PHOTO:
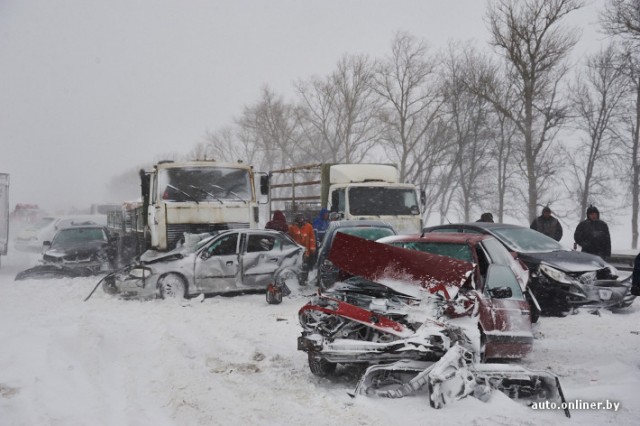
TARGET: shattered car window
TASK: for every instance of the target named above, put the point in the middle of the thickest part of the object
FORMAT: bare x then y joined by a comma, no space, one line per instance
258,243
367,232
457,251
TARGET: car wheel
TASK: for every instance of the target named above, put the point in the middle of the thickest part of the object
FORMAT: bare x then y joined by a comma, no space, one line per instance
274,295
172,286
320,366
109,285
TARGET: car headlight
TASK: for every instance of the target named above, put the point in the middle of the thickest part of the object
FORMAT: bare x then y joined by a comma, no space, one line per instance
140,272
556,274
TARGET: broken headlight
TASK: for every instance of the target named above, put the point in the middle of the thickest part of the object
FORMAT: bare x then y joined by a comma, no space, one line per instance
556,274
140,272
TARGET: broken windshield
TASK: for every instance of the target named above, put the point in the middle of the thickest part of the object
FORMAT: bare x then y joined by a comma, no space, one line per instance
213,184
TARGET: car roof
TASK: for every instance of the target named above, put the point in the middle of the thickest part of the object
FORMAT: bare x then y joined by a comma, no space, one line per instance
83,225
438,237
356,223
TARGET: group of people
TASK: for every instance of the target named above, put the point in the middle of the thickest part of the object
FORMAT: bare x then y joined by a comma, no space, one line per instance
308,235
592,234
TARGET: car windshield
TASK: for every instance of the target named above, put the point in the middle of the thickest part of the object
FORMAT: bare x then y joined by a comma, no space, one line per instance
371,233
526,240
378,201
457,251
72,236
215,184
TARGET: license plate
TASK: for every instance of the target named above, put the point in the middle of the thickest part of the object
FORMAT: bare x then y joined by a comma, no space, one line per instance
605,294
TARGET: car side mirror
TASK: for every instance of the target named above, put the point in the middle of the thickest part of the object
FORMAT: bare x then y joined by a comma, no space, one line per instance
46,244
501,292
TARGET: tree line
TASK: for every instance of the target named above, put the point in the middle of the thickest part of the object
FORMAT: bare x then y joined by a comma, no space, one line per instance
508,128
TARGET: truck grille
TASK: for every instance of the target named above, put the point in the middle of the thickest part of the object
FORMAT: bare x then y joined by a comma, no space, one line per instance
175,232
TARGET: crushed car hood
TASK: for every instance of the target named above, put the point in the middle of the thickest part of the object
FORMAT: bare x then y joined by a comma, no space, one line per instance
384,263
569,261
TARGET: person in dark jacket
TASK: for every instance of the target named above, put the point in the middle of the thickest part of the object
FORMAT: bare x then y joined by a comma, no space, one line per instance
635,278
547,224
486,217
279,222
592,234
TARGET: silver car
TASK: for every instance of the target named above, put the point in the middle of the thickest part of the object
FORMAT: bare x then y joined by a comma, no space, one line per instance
230,262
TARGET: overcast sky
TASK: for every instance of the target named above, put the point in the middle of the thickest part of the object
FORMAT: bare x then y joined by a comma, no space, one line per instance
92,88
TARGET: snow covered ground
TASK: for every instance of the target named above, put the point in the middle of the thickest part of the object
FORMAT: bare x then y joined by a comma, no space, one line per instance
222,361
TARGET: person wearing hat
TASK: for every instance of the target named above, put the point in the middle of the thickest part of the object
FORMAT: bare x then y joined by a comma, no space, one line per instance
592,234
547,224
302,232
486,217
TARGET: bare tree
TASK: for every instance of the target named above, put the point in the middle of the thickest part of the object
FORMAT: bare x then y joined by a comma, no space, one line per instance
468,115
597,97
407,84
272,129
338,112
529,35
621,18
225,145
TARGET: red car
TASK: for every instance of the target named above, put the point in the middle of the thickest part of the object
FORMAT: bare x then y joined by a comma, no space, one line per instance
383,313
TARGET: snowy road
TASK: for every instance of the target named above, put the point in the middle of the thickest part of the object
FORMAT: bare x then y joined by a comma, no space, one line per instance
234,360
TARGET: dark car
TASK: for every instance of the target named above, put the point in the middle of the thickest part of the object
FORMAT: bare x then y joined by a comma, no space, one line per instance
368,229
560,278
229,262
87,248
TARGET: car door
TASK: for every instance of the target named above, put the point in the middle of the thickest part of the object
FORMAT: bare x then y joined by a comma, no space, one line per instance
260,259
504,314
216,267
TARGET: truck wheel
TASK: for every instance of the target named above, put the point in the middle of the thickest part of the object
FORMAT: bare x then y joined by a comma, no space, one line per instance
320,366
172,286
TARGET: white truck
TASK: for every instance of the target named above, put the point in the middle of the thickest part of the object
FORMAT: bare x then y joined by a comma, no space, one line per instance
187,197
356,191
4,213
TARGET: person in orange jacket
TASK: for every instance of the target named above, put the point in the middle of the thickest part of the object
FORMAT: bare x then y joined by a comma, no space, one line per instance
302,232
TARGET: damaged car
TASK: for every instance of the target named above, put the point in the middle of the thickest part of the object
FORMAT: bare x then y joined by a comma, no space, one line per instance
78,250
561,279
228,262
424,321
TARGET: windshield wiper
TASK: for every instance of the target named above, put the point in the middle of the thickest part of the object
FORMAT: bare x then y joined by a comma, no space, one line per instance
206,192
228,191
183,193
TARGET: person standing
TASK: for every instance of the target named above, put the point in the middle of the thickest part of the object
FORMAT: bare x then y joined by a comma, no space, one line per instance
302,232
486,217
279,222
635,278
320,224
547,224
592,234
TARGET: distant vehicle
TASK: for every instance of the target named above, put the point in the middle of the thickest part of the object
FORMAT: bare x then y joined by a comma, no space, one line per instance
327,272
29,239
47,232
355,191
560,278
4,213
229,262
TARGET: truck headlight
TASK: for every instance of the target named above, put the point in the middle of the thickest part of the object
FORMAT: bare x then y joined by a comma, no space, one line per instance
556,274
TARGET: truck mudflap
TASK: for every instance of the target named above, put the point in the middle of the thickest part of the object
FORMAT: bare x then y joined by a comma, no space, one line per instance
455,376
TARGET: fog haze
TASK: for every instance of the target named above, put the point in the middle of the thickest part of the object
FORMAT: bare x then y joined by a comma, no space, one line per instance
91,90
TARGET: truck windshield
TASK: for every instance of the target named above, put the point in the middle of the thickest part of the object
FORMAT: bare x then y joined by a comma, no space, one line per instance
215,184
379,201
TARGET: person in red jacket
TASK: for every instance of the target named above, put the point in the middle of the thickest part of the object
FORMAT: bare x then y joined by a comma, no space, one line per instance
302,232
279,222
